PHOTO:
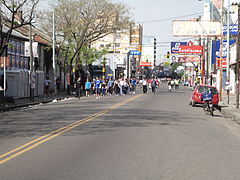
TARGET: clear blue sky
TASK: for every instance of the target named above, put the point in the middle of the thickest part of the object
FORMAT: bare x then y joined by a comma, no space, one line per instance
147,10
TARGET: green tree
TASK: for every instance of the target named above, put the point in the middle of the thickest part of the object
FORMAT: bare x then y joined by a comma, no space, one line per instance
14,14
81,22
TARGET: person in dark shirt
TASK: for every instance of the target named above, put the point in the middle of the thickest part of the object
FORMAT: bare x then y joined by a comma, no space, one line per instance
79,87
2,82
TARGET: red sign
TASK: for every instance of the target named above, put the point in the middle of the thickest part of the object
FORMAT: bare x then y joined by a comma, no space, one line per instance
224,63
188,59
190,49
145,64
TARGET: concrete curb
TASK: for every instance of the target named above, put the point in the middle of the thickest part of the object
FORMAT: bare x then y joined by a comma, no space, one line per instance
228,114
13,107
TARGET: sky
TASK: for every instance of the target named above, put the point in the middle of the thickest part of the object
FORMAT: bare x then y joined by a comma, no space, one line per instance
144,11
147,10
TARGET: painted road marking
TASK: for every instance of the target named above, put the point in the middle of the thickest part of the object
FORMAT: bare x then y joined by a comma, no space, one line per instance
36,142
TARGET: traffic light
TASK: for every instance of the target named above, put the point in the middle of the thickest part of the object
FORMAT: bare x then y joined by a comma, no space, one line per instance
196,68
168,55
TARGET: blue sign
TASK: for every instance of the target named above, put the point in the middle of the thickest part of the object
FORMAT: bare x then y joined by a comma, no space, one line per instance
216,49
175,47
135,52
233,29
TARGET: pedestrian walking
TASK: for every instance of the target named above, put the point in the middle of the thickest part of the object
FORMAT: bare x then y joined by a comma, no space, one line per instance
104,88
58,83
110,86
176,82
149,83
2,82
172,83
144,83
125,87
116,87
169,86
78,87
46,85
133,85
97,86
121,86
93,88
153,85
88,87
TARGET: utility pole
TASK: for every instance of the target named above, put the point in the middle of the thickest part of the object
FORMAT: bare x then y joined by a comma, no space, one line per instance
221,57
31,75
228,41
220,68
103,68
155,52
203,63
128,64
207,64
238,61
53,49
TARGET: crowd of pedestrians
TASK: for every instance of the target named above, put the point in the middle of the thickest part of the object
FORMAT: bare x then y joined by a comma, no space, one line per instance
173,83
119,87
99,87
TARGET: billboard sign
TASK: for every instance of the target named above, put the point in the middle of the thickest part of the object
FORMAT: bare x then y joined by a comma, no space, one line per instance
196,28
145,64
216,52
187,59
190,49
175,47
135,52
34,48
233,29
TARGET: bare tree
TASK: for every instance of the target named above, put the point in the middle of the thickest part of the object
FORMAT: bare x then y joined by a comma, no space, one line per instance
14,14
82,22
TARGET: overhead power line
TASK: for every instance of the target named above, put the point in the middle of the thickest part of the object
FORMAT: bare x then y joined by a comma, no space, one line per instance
177,17
171,18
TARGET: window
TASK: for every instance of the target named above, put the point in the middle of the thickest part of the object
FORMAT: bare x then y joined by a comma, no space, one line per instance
202,89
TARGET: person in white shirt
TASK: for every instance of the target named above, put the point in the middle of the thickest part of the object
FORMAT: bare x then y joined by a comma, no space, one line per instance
144,83
121,86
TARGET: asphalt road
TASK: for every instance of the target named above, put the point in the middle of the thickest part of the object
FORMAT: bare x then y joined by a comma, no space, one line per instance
134,137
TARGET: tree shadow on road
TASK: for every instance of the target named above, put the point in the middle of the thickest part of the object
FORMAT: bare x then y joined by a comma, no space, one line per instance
137,118
29,123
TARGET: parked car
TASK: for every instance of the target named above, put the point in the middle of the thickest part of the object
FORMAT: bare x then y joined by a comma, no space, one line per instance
196,97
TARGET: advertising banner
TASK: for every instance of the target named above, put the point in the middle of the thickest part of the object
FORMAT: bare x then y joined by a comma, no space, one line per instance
233,29
190,49
187,59
175,47
27,49
135,52
145,64
197,28
216,52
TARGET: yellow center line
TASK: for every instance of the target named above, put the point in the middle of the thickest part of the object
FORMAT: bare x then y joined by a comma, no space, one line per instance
32,144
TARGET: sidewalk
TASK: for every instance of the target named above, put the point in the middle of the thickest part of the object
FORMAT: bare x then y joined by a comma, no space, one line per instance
19,103
229,110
